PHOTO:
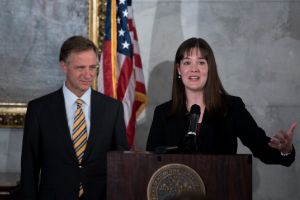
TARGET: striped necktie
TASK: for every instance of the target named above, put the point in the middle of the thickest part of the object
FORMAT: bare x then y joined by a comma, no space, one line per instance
79,135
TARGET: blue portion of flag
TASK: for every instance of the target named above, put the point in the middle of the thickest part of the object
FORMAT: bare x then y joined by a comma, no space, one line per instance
123,36
107,34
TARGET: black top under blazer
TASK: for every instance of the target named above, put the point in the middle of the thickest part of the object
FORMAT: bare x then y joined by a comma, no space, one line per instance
217,135
49,167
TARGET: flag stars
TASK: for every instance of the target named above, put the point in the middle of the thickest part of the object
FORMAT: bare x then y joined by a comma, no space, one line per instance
125,13
118,20
122,2
125,45
121,32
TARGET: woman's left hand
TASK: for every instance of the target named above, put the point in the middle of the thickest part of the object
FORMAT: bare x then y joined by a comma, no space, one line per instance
283,140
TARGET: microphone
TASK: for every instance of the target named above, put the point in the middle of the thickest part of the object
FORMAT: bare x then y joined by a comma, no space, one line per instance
194,117
166,149
189,143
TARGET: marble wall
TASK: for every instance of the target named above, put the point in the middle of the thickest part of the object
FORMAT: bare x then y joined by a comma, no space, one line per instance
257,48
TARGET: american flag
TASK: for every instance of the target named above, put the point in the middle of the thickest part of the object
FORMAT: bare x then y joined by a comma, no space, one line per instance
121,74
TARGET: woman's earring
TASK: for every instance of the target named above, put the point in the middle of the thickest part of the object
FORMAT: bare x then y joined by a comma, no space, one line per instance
179,75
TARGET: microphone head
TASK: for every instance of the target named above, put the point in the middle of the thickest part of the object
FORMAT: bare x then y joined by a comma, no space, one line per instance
195,109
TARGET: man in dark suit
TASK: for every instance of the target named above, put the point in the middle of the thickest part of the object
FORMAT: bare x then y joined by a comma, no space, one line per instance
67,133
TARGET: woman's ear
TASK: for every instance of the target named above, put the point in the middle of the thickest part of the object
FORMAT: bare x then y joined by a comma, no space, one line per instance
178,69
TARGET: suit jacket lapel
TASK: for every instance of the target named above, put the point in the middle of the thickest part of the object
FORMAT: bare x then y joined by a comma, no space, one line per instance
59,110
96,110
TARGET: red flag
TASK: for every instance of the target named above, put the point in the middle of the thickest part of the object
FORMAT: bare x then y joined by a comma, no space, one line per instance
121,74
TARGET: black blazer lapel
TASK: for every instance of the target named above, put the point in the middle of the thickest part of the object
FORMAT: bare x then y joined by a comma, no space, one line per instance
96,110
59,110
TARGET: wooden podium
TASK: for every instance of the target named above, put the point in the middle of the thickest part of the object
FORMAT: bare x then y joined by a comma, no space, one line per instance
226,177
9,185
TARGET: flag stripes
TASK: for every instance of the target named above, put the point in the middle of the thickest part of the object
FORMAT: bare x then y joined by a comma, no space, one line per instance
121,74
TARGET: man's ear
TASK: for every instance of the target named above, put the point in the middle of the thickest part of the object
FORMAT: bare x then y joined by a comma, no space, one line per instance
63,66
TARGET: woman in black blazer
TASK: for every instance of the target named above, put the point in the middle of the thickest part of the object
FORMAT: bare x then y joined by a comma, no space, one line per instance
223,118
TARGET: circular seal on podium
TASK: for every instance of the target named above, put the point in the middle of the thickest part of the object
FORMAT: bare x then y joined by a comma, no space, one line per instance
174,179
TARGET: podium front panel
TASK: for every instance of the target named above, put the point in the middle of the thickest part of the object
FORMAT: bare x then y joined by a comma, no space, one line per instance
224,176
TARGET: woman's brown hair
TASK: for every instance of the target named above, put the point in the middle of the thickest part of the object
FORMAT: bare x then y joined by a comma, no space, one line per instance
213,89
